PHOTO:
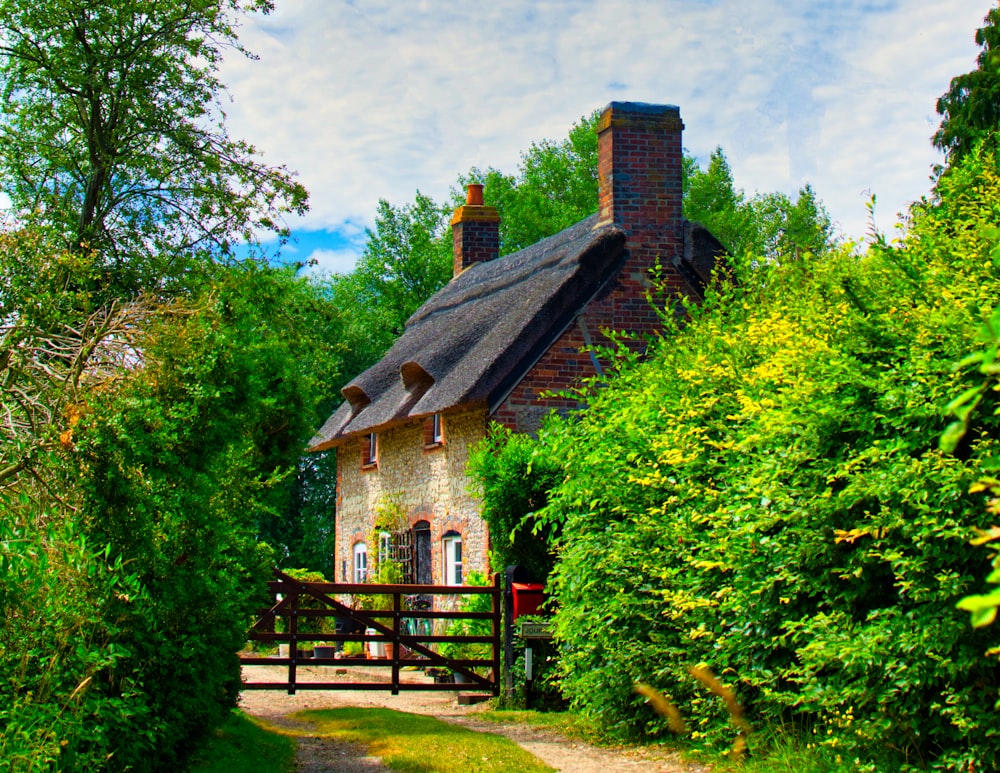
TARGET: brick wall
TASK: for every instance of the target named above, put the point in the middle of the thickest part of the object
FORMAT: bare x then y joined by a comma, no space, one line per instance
429,485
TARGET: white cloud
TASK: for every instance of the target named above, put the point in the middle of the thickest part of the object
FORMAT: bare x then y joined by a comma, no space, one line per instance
323,262
374,100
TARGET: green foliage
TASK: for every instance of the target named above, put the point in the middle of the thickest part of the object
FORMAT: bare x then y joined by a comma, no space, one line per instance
765,227
176,468
970,109
479,602
554,187
144,446
406,259
967,409
512,477
111,126
303,532
766,497
63,700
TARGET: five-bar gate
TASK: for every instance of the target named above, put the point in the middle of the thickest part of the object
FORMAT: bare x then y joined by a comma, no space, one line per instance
409,629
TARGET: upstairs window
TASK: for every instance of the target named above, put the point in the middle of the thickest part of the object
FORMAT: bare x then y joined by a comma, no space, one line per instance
369,450
433,431
452,545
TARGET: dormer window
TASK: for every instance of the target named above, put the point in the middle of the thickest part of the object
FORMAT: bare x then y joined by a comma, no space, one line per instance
369,451
433,431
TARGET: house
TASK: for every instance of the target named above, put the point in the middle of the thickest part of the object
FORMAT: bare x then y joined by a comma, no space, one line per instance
491,344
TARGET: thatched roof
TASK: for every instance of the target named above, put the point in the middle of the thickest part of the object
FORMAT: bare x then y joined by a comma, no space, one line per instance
478,336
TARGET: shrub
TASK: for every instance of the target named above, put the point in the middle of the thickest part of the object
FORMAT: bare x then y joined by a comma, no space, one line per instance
766,497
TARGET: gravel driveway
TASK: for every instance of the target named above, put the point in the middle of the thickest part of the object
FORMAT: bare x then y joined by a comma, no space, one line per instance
323,755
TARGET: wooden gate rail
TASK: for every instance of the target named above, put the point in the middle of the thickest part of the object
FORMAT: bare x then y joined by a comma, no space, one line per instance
408,648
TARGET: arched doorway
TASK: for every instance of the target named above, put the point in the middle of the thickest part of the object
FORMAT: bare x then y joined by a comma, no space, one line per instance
422,553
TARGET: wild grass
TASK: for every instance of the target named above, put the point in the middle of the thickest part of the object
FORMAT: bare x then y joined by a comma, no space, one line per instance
413,743
242,746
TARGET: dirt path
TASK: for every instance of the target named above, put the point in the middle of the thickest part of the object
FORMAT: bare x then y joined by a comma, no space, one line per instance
324,755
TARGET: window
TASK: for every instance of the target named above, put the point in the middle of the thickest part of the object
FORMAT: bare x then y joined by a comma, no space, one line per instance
433,431
384,547
369,450
452,544
360,562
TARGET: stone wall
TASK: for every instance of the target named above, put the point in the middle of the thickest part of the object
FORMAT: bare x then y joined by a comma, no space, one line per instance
428,483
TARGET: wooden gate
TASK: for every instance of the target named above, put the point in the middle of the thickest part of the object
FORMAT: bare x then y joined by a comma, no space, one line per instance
409,629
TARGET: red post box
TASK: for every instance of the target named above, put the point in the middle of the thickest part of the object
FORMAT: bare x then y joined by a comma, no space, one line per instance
528,598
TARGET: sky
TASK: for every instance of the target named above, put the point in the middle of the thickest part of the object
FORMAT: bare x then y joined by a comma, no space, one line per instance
376,99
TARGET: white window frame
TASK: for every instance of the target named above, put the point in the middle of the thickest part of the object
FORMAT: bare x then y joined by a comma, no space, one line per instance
384,547
360,562
451,554
437,433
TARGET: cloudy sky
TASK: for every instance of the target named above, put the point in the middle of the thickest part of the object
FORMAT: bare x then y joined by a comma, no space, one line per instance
371,99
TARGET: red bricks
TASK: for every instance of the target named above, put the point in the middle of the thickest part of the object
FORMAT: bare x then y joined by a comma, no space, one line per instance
639,180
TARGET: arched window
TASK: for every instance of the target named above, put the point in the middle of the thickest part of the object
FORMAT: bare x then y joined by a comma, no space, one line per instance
452,546
360,562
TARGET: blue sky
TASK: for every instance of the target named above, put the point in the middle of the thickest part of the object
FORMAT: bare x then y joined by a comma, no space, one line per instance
371,99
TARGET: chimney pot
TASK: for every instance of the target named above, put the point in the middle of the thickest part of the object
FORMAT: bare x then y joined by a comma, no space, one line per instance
475,229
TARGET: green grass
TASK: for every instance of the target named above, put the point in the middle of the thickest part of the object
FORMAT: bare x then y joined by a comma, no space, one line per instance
570,725
242,746
413,743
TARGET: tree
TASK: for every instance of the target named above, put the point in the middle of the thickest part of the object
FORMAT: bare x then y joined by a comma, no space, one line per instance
112,129
970,109
767,226
554,187
406,259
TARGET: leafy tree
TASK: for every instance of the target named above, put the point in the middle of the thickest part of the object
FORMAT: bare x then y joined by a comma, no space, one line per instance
156,396
406,259
554,187
179,465
112,128
302,532
970,109
767,226
514,479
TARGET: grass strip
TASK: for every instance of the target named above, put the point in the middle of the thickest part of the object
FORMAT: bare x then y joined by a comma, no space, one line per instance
414,743
243,746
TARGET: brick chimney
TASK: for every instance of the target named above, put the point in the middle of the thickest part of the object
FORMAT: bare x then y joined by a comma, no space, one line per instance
476,231
639,180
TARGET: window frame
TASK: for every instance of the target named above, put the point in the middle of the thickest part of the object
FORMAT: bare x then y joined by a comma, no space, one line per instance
451,559
433,431
359,550
369,451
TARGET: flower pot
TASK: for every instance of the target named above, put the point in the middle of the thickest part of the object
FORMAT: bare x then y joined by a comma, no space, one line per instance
376,649
324,651
284,650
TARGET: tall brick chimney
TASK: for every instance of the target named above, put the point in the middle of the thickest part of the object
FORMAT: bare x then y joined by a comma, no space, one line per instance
639,180
476,231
